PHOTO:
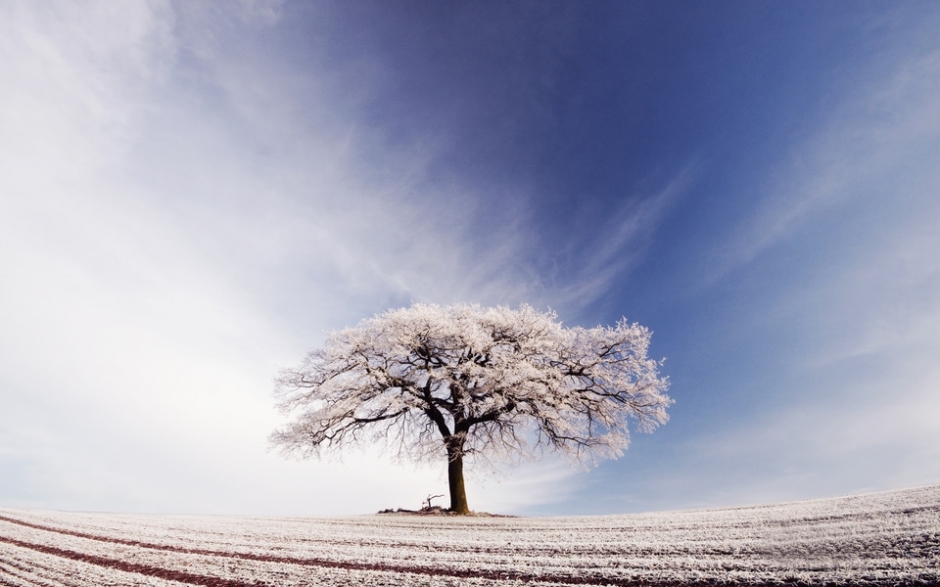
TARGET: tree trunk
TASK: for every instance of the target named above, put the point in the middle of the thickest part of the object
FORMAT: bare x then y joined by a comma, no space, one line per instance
458,493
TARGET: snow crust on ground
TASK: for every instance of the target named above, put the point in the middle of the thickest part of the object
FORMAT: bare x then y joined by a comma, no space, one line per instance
879,539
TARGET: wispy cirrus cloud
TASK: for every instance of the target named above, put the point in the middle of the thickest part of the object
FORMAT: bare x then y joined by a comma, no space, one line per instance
184,214
604,249
843,243
862,152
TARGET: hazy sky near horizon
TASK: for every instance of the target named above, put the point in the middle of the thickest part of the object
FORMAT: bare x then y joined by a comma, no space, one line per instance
192,195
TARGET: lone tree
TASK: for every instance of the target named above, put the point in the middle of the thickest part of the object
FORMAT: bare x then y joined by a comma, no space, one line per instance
463,380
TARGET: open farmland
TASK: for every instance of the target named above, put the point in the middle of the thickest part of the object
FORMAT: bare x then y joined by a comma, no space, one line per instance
879,539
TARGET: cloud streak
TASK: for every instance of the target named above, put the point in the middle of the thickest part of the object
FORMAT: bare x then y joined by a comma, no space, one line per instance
184,219
843,242
195,194
860,155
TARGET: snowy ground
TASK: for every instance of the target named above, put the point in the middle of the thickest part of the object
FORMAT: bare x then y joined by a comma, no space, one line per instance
884,539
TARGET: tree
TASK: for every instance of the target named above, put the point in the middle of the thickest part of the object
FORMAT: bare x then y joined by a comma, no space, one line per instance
432,381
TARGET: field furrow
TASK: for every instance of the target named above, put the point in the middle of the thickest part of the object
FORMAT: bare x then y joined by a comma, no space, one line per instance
879,539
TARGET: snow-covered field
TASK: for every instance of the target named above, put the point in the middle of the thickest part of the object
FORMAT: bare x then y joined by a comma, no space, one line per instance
885,539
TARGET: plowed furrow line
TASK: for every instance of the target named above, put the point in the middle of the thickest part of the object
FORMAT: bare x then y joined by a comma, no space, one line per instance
4,583
148,570
597,578
7,575
208,581
33,568
34,575
323,563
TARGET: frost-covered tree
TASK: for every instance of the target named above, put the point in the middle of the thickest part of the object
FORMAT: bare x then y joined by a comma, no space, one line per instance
431,381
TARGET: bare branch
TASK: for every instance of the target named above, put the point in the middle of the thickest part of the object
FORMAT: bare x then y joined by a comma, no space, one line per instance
430,381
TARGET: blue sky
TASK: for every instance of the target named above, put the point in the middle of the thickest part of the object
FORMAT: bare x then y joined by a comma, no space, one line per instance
193,195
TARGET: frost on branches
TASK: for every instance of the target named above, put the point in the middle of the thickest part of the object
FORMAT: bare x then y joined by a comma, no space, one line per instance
431,381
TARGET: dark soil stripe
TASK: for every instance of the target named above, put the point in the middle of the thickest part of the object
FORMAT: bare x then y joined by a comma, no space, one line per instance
379,567
120,565
326,563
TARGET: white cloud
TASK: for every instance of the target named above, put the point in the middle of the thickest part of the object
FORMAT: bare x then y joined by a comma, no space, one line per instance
886,129
179,222
614,245
838,273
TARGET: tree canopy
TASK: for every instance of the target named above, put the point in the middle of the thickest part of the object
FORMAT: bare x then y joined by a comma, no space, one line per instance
450,381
